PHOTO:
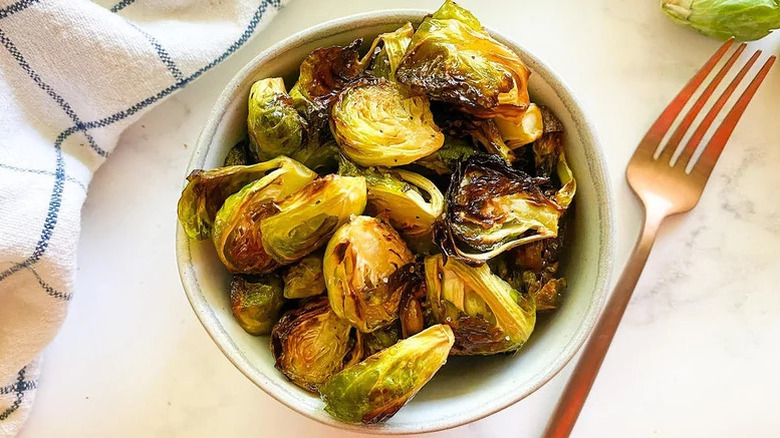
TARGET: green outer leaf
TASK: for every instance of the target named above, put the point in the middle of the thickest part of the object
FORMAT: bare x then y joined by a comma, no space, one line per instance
376,388
256,302
746,20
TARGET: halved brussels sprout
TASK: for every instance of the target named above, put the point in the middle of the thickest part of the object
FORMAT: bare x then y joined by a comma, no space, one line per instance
275,127
491,208
377,122
445,160
409,201
364,272
256,302
452,58
238,155
304,279
207,190
375,389
311,344
486,314
321,158
527,131
393,47
380,339
306,219
549,157
237,230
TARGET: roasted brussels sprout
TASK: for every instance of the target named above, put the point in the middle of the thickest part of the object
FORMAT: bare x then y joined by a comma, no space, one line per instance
527,131
305,220
256,302
393,47
326,71
237,230
207,190
414,312
482,132
380,339
238,155
452,58
377,122
321,158
364,272
275,127
376,388
486,314
304,279
409,201
549,158
491,208
445,160
311,344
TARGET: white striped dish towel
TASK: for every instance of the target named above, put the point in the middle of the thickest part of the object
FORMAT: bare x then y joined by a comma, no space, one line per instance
73,75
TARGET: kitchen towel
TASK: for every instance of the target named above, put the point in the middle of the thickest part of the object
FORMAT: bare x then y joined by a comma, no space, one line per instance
73,75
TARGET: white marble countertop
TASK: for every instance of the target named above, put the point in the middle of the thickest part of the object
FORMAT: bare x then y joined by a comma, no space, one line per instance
696,354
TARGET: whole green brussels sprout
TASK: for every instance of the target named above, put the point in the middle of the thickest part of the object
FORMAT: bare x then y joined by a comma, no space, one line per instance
377,122
305,220
486,314
746,20
275,127
376,388
256,302
311,344
237,226
364,272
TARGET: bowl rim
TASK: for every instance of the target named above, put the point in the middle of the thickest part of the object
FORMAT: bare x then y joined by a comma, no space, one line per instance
596,167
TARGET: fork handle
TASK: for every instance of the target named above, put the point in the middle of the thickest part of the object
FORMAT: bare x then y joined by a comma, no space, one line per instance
573,398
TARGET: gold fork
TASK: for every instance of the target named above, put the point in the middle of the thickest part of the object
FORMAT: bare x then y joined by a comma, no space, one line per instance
666,187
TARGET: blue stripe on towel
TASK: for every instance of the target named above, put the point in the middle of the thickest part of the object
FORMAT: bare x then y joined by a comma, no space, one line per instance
16,7
44,172
19,395
121,5
56,198
9,45
50,290
163,54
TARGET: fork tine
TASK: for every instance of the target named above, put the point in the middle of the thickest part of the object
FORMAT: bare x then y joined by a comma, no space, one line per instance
656,132
706,122
685,124
703,167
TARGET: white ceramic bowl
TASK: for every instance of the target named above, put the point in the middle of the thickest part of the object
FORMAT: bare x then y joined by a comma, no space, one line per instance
466,388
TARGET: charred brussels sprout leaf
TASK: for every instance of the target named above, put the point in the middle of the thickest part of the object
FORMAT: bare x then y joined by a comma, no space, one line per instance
410,202
304,279
364,266
256,302
237,231
414,313
378,340
326,71
375,389
393,47
483,132
491,208
452,58
306,219
445,160
207,190
275,127
381,123
527,131
311,344
486,314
